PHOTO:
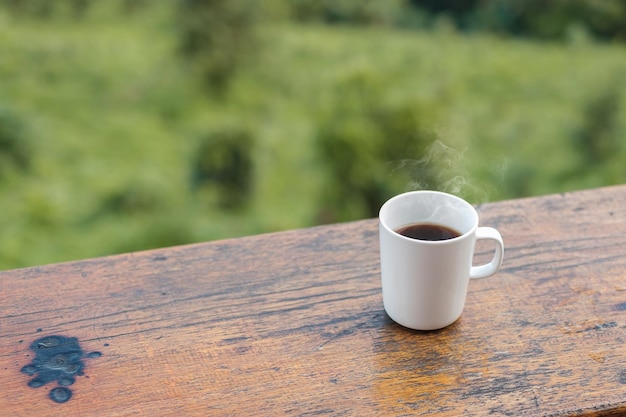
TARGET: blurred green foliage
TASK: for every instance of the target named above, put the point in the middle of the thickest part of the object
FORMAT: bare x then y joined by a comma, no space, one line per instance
554,19
14,147
113,140
367,142
217,37
222,167
354,12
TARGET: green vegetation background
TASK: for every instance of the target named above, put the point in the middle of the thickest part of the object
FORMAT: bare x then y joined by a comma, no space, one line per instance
103,123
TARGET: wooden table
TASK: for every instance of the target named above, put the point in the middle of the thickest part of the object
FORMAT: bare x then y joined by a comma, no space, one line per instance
292,323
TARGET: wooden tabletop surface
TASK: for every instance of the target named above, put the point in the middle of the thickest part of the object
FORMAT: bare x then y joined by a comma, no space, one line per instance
292,323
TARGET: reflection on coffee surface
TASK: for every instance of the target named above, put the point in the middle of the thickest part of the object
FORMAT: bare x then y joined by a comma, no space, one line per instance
428,231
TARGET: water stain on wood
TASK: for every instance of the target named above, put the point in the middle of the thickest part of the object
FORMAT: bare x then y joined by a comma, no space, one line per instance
57,359
60,394
620,306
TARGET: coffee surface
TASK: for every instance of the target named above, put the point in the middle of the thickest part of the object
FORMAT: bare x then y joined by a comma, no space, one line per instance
428,231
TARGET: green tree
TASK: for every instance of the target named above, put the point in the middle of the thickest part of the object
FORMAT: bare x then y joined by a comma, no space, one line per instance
372,149
597,138
15,149
223,168
218,37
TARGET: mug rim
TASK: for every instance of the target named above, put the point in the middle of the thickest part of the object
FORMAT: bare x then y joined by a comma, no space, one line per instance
385,207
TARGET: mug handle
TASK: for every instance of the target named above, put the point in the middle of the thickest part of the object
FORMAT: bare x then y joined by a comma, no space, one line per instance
487,270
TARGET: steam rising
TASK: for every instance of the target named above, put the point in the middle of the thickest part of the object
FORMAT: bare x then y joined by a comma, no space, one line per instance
444,168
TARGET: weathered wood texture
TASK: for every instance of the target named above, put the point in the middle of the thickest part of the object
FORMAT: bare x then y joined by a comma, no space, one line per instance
292,323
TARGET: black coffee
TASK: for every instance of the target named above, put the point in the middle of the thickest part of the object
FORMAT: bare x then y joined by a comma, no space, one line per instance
428,231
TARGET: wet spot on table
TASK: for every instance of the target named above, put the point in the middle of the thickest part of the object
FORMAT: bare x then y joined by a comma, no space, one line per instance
622,376
620,306
57,359
60,394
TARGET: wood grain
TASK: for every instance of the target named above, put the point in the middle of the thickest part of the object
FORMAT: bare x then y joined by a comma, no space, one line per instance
292,323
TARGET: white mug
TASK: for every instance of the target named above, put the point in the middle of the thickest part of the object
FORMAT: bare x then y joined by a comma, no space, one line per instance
424,282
